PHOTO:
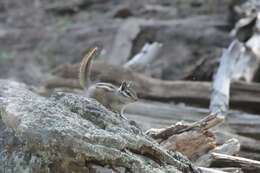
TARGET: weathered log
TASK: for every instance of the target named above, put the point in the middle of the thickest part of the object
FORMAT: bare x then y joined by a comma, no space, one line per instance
250,154
247,67
123,41
70,133
144,58
246,143
160,115
221,87
194,140
210,170
204,68
192,143
70,7
251,56
247,29
247,165
230,147
250,147
219,170
243,96
231,170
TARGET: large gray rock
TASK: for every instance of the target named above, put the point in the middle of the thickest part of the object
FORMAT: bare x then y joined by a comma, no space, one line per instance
70,133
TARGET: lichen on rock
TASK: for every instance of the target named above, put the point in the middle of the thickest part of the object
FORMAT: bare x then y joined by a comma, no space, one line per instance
71,133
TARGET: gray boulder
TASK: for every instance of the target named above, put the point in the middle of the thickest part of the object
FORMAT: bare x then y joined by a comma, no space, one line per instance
71,133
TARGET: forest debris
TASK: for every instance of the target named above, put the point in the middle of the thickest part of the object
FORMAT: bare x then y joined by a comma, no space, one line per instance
194,140
247,30
247,66
231,169
243,96
123,41
66,8
247,165
163,10
230,147
244,28
146,115
219,170
70,7
219,101
204,68
145,57
190,143
122,11
254,155
246,143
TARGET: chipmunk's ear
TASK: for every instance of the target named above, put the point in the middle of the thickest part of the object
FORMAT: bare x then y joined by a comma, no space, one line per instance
123,86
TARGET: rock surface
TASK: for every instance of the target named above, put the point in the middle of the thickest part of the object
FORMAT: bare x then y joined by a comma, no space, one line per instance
70,133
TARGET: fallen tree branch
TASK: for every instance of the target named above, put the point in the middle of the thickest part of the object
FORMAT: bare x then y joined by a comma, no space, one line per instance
220,94
247,144
195,135
217,170
123,41
219,102
231,170
230,147
145,57
146,115
233,161
70,7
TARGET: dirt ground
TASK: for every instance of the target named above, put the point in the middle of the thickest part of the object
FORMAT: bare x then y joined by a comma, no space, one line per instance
38,35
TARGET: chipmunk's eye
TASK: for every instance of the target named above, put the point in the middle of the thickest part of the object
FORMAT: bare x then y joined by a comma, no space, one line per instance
128,93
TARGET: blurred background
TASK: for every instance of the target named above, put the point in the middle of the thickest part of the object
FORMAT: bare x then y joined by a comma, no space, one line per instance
38,35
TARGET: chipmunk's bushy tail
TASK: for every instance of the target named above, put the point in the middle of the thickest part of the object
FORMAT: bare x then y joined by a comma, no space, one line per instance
85,68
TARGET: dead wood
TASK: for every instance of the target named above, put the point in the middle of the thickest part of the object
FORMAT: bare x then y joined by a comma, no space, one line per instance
231,170
230,147
145,57
247,29
160,115
203,69
247,165
219,170
210,170
221,87
248,67
193,140
250,154
192,143
69,7
123,41
247,143
220,94
243,96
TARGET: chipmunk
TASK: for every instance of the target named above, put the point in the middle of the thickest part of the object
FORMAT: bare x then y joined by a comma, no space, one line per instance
107,94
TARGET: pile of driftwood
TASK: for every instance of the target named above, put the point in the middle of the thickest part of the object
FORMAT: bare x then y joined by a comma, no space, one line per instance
200,141
217,139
